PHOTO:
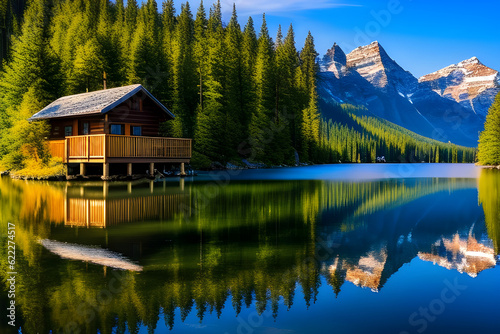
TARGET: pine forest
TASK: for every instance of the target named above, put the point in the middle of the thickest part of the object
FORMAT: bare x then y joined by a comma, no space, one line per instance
237,91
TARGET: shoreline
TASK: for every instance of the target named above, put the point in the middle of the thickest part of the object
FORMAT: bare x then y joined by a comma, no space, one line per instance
136,177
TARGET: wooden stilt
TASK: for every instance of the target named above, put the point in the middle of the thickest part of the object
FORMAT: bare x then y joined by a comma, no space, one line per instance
83,169
183,170
105,171
151,169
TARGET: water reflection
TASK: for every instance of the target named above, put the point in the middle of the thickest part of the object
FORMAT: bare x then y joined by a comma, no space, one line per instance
462,254
248,244
489,197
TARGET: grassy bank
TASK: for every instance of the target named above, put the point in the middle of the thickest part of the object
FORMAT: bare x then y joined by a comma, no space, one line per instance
38,170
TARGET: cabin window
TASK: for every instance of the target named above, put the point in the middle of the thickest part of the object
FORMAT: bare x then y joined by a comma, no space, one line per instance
117,129
86,128
68,131
136,131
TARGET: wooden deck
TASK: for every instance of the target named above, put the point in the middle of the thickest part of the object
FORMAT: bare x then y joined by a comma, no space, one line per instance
121,149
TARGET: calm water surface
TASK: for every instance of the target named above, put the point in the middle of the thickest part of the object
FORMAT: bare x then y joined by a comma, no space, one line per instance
323,249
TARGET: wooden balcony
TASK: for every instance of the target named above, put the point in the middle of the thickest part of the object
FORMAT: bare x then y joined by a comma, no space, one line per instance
121,149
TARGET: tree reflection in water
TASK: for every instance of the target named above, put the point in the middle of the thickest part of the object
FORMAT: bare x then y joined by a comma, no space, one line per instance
254,243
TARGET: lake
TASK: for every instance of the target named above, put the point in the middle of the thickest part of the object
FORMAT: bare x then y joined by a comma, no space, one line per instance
322,249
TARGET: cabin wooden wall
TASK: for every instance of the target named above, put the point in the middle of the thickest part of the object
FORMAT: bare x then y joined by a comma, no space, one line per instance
96,126
137,111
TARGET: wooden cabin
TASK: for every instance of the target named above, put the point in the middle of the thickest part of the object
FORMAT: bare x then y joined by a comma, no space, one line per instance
112,126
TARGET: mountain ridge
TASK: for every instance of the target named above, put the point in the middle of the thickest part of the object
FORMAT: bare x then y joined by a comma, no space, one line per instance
469,82
368,76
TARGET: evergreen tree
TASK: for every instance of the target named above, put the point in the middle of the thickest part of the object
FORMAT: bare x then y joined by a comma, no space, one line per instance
248,84
131,15
185,78
212,120
116,67
310,114
249,45
168,33
8,23
286,106
235,108
88,66
33,62
92,9
489,140
129,30
109,47
224,84
168,21
69,30
200,50
279,38
261,133
311,127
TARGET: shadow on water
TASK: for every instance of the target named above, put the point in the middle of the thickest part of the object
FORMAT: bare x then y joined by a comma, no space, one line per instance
204,250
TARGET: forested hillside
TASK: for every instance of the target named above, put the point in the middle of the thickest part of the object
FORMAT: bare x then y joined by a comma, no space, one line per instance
351,134
235,90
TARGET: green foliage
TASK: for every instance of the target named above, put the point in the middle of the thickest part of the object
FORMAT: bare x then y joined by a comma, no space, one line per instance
185,78
356,137
33,64
275,236
489,140
236,95
308,144
23,146
87,65
200,161
489,197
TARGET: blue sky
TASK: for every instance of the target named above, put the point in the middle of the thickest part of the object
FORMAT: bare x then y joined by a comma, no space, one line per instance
421,35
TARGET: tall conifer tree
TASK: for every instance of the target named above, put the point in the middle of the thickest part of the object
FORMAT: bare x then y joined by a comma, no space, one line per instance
185,78
260,125
33,62
489,140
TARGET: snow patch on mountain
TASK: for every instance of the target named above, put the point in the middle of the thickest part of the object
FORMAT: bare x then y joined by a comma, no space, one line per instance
368,76
470,83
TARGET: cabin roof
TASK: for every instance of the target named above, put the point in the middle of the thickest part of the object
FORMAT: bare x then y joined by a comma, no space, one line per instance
97,102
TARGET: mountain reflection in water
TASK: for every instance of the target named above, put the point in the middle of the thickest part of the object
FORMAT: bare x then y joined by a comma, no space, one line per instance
251,244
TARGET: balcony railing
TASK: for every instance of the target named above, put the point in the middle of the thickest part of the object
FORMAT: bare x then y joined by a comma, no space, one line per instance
109,148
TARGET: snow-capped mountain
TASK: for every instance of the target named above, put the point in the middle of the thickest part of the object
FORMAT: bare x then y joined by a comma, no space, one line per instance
368,76
469,82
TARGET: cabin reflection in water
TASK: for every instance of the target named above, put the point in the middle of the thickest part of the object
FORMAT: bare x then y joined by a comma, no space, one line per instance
103,205
257,245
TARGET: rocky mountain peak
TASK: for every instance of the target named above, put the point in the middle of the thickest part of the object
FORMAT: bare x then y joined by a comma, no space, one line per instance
373,51
374,64
334,61
335,54
371,78
368,76
470,61
368,62
470,83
